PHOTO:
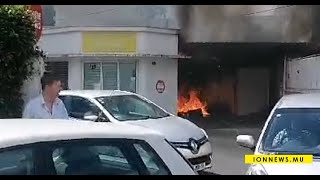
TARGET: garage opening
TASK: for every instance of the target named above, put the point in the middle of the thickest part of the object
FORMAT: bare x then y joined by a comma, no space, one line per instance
233,79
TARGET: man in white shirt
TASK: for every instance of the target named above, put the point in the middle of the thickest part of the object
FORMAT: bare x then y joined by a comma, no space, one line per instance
47,105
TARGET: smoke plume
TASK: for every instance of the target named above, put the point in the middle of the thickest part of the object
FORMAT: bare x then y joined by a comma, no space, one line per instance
244,23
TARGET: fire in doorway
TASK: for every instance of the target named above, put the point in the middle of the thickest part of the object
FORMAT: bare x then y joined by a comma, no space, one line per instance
191,102
206,100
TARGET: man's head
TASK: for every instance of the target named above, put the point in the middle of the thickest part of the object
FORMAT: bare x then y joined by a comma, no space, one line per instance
51,85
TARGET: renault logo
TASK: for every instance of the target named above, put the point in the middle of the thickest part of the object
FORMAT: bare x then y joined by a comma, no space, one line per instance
194,146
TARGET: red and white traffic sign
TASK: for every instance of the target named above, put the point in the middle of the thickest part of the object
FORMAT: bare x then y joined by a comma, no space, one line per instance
160,86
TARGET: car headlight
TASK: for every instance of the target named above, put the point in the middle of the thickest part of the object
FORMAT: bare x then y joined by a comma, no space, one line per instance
257,169
205,133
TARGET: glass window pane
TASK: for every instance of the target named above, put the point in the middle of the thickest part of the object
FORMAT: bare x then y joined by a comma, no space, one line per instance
92,76
130,107
16,162
110,76
81,107
92,160
151,160
127,77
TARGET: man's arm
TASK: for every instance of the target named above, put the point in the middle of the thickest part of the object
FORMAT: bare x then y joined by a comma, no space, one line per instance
64,112
27,112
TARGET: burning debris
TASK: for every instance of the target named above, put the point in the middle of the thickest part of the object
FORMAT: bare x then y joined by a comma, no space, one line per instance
192,103
205,90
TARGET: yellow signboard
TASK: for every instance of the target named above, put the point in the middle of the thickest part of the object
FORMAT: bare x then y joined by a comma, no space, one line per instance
109,42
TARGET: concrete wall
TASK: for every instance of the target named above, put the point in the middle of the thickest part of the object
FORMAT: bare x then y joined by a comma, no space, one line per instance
64,43
157,43
75,73
114,15
303,75
148,75
252,90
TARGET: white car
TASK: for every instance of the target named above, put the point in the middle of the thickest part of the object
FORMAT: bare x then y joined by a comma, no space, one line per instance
125,107
293,127
72,147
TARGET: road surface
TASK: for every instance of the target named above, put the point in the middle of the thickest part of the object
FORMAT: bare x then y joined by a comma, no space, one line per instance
228,157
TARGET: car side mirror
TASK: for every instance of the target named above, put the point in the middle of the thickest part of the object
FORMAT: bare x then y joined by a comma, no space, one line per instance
246,141
91,118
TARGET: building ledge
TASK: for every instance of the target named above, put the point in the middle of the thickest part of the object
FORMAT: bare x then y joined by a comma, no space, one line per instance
56,30
122,55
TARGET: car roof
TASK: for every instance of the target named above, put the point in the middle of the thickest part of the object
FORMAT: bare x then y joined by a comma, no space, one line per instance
25,131
94,93
310,100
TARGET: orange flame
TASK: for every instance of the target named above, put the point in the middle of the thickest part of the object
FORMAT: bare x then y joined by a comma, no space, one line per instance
193,103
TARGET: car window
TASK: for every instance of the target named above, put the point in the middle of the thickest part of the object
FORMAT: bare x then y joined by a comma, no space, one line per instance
81,107
114,157
16,162
93,159
140,107
67,102
130,108
150,159
294,130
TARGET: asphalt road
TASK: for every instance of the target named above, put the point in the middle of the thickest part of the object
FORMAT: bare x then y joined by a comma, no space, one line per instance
228,157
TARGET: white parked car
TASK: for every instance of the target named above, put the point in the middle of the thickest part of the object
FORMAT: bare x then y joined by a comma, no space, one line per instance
293,127
125,107
72,147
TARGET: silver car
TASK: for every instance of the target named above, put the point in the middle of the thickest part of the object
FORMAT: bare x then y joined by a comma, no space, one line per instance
125,107
293,127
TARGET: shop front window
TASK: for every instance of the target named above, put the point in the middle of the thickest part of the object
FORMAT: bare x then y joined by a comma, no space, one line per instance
127,76
110,76
92,76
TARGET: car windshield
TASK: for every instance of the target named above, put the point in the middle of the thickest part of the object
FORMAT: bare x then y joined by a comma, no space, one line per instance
130,107
293,131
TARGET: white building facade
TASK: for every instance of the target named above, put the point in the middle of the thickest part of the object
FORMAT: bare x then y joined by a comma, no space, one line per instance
137,59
